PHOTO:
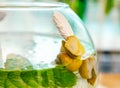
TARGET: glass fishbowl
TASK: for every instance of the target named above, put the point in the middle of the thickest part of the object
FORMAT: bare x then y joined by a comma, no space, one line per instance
45,45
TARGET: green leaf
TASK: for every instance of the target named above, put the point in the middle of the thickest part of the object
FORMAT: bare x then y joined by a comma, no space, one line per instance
109,5
46,78
27,77
64,78
3,77
9,84
14,77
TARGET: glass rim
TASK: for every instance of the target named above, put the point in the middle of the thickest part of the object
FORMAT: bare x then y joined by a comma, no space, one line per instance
33,5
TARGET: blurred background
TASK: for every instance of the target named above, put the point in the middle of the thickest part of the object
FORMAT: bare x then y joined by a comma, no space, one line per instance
102,20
